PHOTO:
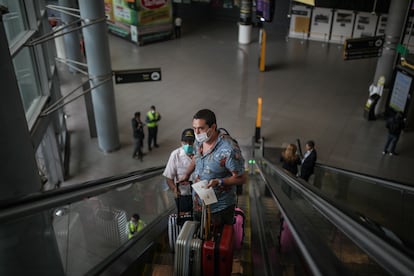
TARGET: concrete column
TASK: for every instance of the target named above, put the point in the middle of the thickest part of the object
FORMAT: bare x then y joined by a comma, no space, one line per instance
71,39
395,24
19,173
245,22
99,67
245,33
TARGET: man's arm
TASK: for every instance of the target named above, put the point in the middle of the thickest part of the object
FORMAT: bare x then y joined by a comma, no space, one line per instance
172,186
147,119
234,179
189,171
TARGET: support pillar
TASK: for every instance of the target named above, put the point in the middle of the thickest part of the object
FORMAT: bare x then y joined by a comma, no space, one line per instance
245,24
99,67
71,38
395,24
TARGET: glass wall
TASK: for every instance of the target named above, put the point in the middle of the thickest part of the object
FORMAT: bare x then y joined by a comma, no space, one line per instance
27,79
75,225
35,71
14,22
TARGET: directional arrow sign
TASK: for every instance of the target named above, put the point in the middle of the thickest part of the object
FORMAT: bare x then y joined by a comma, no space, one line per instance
365,47
137,75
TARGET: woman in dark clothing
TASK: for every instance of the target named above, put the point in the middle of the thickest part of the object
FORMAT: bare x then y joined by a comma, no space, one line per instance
290,160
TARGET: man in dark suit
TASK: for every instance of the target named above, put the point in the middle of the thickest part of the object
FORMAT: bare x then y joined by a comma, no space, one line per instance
138,133
308,161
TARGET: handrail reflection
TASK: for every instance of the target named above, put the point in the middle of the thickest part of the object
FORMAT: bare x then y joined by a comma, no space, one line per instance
73,193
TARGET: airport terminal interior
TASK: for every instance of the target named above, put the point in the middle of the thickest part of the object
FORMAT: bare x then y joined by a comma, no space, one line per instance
308,92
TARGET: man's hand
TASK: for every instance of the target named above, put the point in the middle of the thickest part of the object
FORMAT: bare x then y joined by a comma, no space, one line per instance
213,183
184,179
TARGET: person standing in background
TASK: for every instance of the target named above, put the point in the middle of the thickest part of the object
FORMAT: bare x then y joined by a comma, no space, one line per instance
290,160
308,161
178,163
177,22
135,224
138,133
394,125
152,119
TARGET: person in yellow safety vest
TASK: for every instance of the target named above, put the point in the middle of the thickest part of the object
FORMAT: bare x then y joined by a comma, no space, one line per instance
135,225
152,123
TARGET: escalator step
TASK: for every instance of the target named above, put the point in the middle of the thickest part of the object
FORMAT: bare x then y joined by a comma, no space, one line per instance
162,270
164,258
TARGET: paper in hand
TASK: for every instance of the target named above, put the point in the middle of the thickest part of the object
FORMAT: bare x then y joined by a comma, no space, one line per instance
207,195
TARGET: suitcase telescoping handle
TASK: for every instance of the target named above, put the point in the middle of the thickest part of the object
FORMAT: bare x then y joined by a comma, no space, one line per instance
202,222
205,222
178,200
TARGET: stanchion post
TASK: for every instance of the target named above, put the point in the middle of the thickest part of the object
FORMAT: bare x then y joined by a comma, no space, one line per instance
258,119
262,51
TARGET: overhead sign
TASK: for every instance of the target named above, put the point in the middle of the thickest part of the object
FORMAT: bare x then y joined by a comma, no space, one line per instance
364,47
137,75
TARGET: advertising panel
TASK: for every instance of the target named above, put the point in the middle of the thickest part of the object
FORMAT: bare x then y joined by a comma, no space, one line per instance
382,24
400,91
321,24
342,25
109,10
154,12
409,35
124,13
300,21
134,19
365,24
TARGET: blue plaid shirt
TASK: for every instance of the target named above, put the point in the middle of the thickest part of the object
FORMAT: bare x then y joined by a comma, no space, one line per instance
218,163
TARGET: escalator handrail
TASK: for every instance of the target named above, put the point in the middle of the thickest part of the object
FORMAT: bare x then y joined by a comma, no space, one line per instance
380,181
320,260
62,196
390,258
404,187
41,195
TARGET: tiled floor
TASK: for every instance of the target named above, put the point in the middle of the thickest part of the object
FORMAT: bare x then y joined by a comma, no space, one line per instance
308,92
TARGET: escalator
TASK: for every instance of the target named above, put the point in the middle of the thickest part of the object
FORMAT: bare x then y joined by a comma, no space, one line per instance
366,222
80,230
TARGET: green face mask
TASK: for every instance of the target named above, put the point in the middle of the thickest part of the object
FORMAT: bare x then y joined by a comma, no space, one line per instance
188,149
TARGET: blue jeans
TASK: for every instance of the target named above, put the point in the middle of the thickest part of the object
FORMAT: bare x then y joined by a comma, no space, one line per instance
391,141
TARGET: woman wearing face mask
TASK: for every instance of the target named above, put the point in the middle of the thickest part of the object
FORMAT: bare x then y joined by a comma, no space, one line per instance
176,168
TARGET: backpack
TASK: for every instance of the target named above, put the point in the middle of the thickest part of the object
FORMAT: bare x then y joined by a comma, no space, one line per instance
393,125
225,132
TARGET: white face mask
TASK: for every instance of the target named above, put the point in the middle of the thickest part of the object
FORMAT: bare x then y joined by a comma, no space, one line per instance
202,137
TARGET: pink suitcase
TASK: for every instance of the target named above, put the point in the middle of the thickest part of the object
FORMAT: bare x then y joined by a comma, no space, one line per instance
238,228
287,241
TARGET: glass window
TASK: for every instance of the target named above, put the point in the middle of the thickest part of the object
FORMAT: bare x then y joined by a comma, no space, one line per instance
26,75
41,4
14,22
